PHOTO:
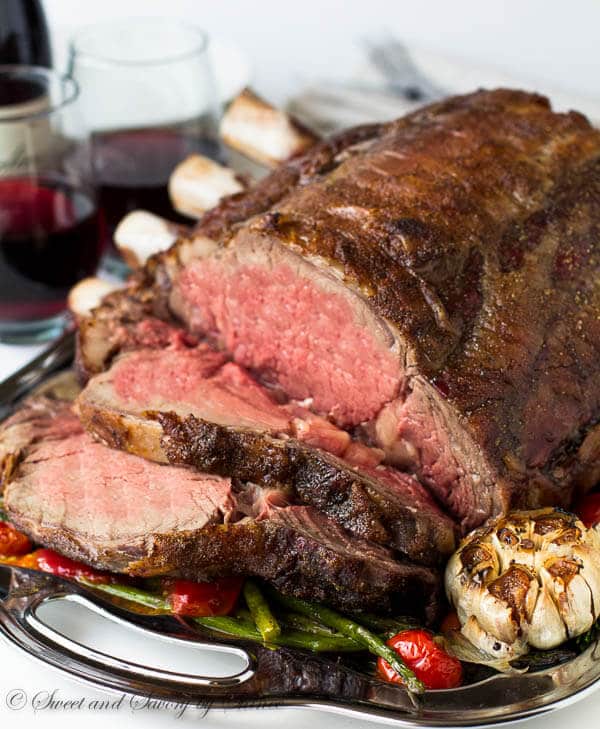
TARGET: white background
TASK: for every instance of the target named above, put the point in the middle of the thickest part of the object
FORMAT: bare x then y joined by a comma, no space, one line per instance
289,43
553,40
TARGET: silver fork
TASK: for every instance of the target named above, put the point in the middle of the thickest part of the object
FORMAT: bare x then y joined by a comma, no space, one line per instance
391,58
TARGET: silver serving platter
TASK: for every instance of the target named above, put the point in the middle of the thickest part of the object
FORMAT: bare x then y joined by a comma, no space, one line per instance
269,678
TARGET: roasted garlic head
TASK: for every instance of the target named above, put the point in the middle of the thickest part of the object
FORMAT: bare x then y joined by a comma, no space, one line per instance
531,578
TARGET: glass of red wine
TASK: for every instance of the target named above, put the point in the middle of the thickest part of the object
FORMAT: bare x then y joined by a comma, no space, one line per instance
149,98
49,234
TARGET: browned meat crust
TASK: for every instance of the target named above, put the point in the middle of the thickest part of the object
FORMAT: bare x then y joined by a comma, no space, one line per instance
477,233
105,333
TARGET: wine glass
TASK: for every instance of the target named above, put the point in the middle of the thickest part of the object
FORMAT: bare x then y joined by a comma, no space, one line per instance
49,236
149,98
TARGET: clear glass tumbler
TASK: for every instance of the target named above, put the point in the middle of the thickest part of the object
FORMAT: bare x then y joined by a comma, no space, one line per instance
149,98
49,234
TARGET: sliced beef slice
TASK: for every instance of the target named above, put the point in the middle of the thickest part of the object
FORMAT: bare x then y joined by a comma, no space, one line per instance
189,406
122,513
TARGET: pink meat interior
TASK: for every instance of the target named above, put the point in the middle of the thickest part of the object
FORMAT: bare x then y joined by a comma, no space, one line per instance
200,382
83,482
197,381
291,330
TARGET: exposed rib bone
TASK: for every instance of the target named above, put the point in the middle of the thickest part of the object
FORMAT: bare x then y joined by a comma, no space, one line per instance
265,134
198,183
142,234
87,294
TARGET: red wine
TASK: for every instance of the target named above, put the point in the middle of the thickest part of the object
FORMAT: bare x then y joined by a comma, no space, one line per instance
19,91
24,38
132,170
49,240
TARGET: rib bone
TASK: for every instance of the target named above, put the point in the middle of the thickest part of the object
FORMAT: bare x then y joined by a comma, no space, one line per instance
142,234
87,295
198,183
259,131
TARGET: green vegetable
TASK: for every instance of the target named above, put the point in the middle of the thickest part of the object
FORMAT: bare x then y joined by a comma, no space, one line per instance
291,638
125,592
243,614
231,626
301,622
318,643
261,613
389,626
356,632
3,514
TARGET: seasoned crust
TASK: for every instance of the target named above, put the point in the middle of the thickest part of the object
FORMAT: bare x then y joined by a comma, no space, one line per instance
472,227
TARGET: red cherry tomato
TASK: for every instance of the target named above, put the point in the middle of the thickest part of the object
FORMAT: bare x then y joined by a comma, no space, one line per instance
50,561
201,599
13,543
588,509
429,662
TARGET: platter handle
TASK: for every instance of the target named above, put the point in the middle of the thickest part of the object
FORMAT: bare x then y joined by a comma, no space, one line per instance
21,622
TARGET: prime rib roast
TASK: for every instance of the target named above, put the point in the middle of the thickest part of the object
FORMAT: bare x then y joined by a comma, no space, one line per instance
383,343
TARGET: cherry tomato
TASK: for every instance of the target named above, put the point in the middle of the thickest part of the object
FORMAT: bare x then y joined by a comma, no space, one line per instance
588,509
12,542
50,561
429,662
450,622
201,599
